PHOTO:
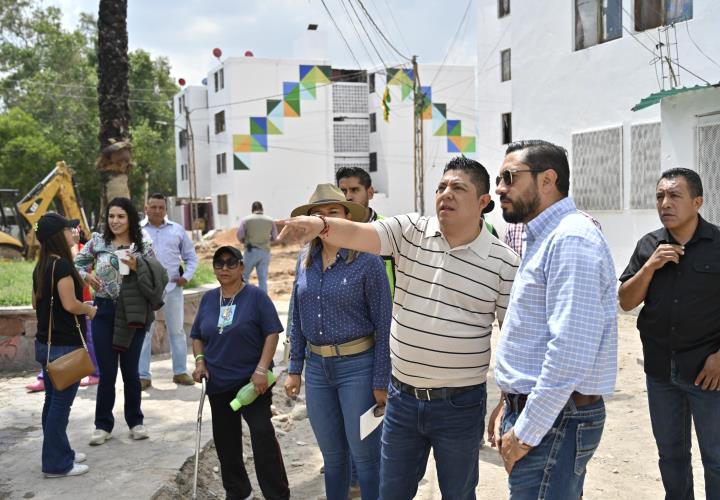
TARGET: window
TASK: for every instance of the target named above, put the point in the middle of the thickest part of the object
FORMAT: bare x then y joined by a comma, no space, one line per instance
373,162
222,204
503,8
221,163
220,122
654,13
505,65
597,167
506,128
217,86
597,21
222,78
371,83
645,154
182,138
181,104
373,122
183,172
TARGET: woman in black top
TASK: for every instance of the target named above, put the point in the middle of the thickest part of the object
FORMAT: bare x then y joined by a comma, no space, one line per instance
55,276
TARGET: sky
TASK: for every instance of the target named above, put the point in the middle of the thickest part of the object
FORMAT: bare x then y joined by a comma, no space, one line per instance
186,31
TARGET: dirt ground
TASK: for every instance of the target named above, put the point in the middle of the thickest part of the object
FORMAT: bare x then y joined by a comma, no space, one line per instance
625,465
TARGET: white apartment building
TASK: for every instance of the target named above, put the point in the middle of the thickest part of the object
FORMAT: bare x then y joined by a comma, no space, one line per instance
271,130
570,71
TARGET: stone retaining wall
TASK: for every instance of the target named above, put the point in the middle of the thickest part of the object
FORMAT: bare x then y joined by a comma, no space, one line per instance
18,327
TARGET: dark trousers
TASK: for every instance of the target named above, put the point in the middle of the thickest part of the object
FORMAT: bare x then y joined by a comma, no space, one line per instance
108,360
227,433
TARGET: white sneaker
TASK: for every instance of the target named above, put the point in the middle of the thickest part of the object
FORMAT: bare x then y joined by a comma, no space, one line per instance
139,432
99,437
75,471
80,457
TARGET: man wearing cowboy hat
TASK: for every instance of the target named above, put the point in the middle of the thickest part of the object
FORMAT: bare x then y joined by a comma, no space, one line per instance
453,279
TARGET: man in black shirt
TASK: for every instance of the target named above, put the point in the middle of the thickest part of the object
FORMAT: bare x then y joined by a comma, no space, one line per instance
675,271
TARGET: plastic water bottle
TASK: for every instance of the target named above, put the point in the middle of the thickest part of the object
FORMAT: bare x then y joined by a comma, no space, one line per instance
247,394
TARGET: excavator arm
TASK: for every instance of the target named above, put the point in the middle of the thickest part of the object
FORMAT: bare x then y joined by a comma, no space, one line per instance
58,186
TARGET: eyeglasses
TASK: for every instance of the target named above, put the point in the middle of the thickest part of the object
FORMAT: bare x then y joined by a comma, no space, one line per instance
507,176
231,263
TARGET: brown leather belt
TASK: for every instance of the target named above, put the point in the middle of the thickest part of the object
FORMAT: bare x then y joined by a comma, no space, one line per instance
345,349
516,402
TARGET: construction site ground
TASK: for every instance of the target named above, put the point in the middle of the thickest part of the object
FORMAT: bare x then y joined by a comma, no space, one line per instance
161,467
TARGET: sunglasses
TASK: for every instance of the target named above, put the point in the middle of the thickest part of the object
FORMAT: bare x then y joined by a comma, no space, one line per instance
231,263
507,176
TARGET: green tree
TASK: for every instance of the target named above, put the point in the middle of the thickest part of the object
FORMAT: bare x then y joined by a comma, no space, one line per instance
51,75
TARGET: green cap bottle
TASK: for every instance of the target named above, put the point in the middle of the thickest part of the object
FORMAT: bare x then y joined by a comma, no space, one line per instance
247,394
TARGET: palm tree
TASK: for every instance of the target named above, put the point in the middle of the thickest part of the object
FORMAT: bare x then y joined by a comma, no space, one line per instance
115,158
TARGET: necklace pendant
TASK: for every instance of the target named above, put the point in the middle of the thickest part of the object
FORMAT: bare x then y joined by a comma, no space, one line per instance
221,330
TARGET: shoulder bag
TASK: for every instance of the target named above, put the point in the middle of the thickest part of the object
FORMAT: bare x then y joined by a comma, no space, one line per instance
73,366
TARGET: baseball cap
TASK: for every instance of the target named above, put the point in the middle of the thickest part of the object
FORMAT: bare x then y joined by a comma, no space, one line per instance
52,223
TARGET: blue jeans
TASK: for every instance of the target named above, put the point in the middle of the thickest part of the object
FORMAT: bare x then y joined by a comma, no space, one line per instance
57,454
672,406
555,469
453,427
108,360
338,391
260,260
174,310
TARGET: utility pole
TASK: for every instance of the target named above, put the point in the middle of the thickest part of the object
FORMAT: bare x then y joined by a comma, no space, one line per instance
418,155
192,179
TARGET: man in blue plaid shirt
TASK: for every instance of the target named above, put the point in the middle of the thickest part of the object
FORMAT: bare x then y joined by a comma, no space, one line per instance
557,353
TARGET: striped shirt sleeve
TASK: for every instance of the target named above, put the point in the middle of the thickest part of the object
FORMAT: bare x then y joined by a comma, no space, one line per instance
391,230
574,290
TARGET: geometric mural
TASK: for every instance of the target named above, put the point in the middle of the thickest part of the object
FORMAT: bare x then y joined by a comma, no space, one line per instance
276,111
434,111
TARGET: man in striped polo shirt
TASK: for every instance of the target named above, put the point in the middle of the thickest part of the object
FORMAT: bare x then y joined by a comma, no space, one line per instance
453,279
557,353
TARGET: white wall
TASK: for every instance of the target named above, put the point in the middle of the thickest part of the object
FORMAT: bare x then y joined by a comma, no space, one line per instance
196,102
393,141
296,161
557,91
679,122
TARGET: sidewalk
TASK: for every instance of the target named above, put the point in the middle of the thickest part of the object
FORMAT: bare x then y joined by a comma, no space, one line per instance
121,468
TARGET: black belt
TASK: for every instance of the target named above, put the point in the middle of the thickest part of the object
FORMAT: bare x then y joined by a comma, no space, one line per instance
431,394
516,402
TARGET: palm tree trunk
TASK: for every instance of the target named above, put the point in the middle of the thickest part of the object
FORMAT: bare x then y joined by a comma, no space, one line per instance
115,158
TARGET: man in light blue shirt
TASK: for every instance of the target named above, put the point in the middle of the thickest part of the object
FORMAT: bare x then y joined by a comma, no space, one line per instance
557,353
173,248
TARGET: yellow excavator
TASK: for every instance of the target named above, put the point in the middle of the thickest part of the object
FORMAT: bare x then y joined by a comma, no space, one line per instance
57,191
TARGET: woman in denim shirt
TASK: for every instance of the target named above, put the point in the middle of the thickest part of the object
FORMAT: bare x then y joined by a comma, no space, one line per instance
340,331
122,231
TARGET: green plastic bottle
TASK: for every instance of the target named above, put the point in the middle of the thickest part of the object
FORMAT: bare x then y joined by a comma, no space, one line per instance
247,394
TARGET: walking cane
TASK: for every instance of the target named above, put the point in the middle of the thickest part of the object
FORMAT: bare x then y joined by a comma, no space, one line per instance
198,430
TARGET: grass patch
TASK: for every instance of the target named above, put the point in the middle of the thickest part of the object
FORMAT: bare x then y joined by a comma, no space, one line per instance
16,281
204,274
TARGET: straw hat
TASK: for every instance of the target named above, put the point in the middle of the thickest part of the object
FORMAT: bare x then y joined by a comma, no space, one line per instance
327,194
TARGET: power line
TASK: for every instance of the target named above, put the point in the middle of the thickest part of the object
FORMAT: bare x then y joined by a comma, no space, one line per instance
357,33
382,61
687,26
372,21
392,16
341,33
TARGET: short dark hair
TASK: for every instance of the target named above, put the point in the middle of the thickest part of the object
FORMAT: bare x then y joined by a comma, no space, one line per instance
478,174
256,206
691,177
359,172
158,196
544,155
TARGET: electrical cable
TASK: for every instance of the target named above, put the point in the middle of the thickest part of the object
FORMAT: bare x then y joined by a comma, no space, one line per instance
380,32
341,33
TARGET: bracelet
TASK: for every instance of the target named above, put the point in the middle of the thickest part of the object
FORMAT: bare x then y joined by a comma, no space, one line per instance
326,227
260,369
199,357
261,373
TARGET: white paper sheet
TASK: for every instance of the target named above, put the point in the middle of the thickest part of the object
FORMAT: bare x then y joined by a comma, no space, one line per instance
369,422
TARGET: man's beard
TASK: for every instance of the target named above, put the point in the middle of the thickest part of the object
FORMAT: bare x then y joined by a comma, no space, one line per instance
521,209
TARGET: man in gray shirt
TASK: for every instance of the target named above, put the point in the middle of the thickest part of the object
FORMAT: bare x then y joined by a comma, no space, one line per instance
256,231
